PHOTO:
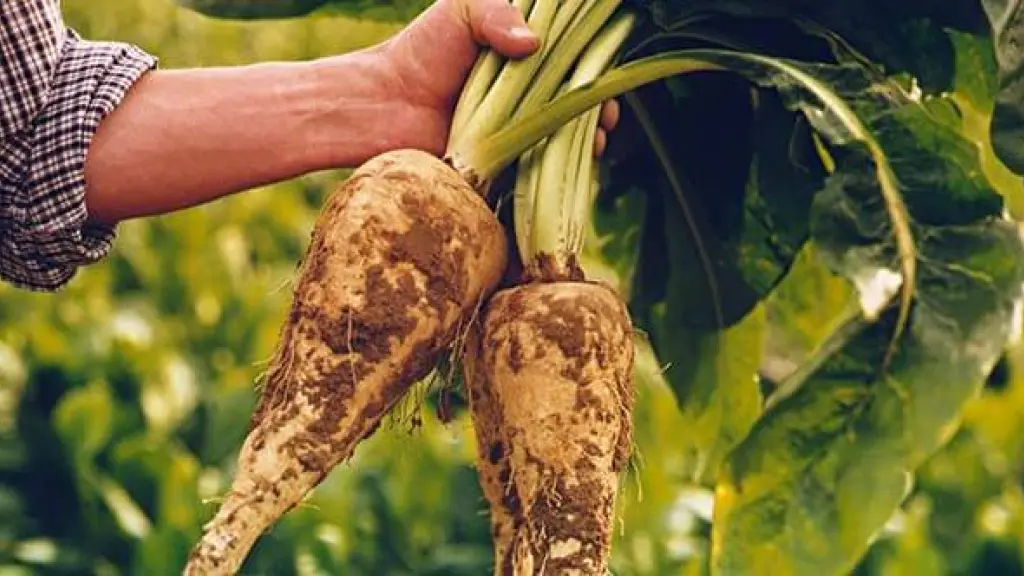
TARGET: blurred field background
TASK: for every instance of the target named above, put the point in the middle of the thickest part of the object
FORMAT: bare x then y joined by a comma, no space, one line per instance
124,398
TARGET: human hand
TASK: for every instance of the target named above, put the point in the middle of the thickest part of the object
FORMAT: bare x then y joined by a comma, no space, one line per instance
432,57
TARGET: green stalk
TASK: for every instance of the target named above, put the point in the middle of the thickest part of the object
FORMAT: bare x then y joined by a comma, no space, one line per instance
565,30
529,180
527,187
528,176
586,184
488,157
575,189
480,79
548,207
512,81
547,235
568,15
568,50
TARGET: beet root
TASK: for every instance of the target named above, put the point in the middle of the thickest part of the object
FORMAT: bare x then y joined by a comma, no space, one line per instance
401,257
551,393
491,462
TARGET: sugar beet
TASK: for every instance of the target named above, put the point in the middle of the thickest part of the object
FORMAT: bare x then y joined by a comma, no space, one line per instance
402,255
551,392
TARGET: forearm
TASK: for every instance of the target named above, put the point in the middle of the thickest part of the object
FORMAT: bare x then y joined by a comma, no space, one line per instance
185,137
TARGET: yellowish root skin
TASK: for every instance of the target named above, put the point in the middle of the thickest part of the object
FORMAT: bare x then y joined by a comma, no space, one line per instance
492,466
552,396
402,255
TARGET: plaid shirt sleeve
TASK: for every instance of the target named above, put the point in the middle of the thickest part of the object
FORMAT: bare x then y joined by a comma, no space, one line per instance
55,88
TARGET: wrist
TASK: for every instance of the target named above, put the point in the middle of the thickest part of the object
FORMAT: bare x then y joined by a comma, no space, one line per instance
360,108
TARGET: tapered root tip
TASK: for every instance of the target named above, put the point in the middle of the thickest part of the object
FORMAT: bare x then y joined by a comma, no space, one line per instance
554,378
400,258
242,518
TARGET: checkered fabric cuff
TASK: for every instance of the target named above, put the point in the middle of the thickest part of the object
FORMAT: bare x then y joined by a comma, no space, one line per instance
49,237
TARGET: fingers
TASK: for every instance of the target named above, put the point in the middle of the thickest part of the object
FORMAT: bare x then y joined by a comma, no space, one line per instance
608,120
600,141
501,26
610,115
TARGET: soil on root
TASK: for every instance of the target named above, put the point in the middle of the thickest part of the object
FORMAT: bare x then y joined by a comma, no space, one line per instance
401,256
550,268
492,461
415,264
558,359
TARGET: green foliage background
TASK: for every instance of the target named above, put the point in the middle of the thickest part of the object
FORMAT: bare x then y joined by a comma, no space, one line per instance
124,398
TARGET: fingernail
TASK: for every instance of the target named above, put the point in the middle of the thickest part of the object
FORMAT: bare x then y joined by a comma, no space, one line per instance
522,33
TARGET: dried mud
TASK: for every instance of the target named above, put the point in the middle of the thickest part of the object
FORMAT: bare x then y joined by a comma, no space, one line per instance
552,396
492,462
401,257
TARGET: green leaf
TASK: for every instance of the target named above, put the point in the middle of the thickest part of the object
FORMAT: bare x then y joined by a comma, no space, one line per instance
725,218
974,90
1006,18
807,307
833,99
711,368
841,103
85,419
252,9
819,475
611,248
735,202
398,11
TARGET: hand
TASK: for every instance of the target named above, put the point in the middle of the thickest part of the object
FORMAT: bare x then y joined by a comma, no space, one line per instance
432,57
185,137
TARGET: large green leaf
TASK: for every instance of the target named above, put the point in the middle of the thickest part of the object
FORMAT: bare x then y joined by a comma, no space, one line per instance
397,11
885,153
726,215
802,313
906,36
733,202
974,89
1006,18
820,474
816,479
717,253
253,9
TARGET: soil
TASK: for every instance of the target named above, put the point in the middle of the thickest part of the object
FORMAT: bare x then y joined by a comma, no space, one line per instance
400,257
419,272
581,512
492,456
559,359
549,268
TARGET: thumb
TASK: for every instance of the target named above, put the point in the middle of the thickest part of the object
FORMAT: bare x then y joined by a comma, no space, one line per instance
501,26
